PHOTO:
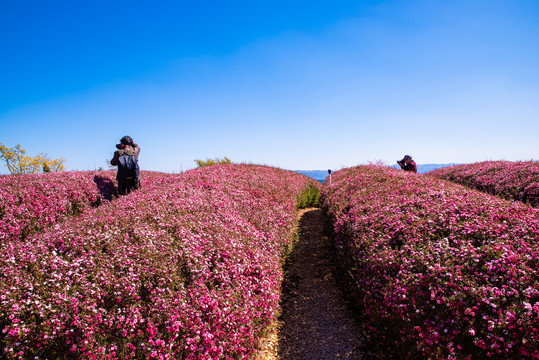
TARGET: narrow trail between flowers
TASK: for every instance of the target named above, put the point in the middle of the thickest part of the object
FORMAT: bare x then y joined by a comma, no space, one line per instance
316,320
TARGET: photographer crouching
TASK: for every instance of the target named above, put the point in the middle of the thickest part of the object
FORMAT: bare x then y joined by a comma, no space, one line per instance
126,158
407,164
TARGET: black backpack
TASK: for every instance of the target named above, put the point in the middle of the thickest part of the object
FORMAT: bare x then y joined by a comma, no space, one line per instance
127,167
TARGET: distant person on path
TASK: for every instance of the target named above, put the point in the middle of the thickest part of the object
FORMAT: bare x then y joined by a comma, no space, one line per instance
407,164
126,158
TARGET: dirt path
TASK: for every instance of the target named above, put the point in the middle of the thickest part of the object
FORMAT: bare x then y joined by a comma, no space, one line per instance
316,322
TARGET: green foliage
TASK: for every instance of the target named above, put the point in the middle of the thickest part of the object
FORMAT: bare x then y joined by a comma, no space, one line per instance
216,161
309,197
18,162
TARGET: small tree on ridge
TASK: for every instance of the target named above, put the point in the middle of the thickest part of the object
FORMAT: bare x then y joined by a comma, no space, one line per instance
18,162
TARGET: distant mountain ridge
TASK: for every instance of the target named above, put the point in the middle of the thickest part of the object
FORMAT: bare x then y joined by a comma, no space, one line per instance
425,168
320,175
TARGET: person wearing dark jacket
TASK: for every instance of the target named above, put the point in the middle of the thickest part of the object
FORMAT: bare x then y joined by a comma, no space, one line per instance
407,164
126,158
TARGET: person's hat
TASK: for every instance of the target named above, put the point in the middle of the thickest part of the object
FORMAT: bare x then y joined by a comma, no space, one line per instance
126,140
407,157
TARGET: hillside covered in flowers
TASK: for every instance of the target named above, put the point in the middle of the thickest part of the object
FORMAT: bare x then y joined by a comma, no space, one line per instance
510,180
189,266
439,269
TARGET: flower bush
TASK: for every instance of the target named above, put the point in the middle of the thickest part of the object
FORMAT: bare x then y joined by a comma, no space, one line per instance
510,180
29,203
189,266
440,270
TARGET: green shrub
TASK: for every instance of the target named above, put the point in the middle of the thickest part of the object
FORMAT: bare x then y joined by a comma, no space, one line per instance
308,198
216,161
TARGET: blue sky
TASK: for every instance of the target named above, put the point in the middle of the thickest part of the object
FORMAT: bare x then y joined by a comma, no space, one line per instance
294,84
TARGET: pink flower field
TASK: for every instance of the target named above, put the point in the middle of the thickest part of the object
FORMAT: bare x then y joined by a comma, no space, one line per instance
510,180
189,266
29,203
439,269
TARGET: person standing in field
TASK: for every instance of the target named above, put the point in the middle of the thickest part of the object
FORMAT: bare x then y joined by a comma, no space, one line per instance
126,158
407,164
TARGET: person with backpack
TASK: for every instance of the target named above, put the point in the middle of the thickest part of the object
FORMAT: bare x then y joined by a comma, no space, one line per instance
126,158
407,164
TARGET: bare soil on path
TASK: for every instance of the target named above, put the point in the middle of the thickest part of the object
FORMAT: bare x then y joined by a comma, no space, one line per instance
316,321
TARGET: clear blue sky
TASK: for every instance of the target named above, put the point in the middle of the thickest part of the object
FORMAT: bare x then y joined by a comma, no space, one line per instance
295,84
